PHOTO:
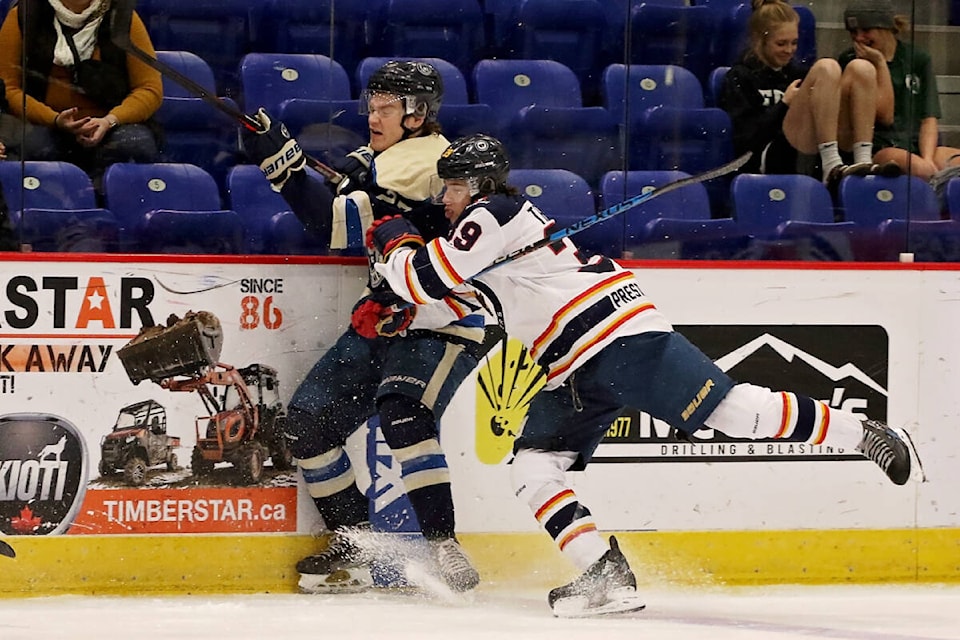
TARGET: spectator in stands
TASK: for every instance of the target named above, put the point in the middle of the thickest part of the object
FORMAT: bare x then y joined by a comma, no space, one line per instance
907,112
783,112
84,99
8,237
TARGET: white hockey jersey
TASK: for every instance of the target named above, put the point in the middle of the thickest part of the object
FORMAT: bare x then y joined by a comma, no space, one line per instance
563,307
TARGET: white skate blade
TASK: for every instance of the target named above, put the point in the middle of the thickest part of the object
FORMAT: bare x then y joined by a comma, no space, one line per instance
622,600
917,473
353,580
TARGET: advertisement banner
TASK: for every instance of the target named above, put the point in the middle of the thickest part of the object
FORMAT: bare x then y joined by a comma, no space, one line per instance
151,398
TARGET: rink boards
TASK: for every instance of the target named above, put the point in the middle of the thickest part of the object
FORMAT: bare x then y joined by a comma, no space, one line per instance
876,339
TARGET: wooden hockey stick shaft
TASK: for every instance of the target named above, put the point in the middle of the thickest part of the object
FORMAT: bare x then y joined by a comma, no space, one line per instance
248,121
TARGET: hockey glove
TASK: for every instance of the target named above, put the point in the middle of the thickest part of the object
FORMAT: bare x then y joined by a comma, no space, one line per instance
274,150
372,319
391,232
355,169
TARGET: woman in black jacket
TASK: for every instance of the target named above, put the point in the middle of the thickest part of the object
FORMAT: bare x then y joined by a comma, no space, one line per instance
783,112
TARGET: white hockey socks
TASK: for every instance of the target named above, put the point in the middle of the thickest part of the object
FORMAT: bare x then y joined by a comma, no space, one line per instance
539,481
750,411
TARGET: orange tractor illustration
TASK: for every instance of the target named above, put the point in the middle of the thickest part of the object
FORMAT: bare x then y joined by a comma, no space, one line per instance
245,418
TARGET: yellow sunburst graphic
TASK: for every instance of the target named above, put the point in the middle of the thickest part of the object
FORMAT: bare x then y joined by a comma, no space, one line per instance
507,380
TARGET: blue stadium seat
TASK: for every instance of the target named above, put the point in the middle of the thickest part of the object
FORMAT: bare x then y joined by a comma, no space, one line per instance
69,230
541,118
171,231
270,78
500,19
582,140
570,32
135,192
566,198
807,46
53,208
732,36
195,131
681,35
250,195
870,201
510,85
617,13
219,31
715,85
46,185
447,29
690,140
325,129
310,93
640,87
681,239
953,198
927,240
793,215
691,202
333,28
287,236
761,203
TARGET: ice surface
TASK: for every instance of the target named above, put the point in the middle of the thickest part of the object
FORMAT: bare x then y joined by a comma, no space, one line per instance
769,613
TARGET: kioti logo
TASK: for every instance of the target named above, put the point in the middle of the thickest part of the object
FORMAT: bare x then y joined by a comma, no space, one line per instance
42,473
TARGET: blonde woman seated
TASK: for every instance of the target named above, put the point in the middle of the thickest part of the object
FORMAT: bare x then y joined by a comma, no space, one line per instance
783,112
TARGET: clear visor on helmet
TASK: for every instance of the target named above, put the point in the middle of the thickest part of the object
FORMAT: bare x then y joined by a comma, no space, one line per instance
458,189
386,104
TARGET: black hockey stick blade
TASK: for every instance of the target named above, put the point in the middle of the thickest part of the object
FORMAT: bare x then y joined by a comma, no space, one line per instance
122,40
617,209
7,550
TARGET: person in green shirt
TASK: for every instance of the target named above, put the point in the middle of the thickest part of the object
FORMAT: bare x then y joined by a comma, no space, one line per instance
908,106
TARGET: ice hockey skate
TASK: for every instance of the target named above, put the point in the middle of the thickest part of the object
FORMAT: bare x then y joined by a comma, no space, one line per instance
891,449
608,586
454,566
342,567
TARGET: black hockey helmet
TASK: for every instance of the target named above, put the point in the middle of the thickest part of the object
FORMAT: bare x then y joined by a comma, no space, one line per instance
417,83
480,159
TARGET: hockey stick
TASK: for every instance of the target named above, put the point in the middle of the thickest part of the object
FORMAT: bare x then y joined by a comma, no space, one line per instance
608,213
122,40
7,550
617,209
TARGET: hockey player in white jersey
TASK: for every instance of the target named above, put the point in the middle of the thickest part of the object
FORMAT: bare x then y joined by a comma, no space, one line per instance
382,364
605,346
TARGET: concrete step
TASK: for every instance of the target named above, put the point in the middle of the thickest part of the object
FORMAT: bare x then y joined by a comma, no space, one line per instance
949,88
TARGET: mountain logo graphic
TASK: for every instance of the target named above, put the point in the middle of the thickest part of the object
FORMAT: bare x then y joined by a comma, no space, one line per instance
844,366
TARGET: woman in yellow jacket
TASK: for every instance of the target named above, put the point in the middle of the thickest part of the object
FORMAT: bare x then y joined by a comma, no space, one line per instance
84,100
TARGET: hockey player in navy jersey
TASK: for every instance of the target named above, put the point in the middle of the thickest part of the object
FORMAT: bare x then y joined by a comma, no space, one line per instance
605,346
401,366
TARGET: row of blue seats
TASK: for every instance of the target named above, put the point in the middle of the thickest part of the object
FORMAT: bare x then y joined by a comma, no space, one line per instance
535,106
586,35
177,208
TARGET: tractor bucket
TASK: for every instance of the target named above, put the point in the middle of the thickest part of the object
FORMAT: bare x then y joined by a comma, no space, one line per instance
185,347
